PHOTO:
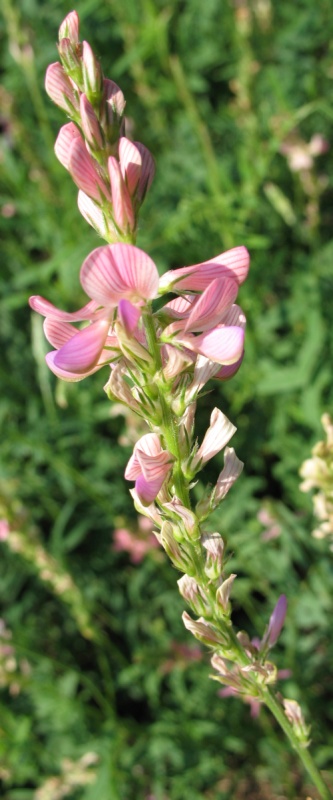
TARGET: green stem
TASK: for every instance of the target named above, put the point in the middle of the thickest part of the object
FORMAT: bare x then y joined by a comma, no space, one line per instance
302,752
170,432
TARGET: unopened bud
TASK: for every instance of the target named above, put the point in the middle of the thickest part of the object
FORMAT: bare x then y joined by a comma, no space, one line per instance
175,552
204,631
223,593
112,111
193,594
92,75
69,28
293,712
214,545
276,623
70,59
90,125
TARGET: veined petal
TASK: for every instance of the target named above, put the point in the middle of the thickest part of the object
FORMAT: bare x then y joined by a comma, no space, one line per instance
148,490
130,163
122,205
229,370
83,170
128,315
234,316
58,332
67,375
118,271
156,466
94,215
208,309
147,171
231,471
60,88
233,263
223,345
216,437
47,309
63,142
81,353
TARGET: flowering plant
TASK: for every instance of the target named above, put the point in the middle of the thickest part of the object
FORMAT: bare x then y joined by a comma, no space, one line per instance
163,339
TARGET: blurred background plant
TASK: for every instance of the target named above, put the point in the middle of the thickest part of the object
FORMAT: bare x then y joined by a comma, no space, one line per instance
234,101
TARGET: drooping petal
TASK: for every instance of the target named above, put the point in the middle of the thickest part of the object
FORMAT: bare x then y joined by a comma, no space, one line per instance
113,272
148,490
233,263
223,344
47,309
156,466
229,370
67,375
58,332
63,143
209,308
81,353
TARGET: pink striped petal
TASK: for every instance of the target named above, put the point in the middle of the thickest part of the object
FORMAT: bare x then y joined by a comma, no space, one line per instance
129,315
58,333
156,466
113,103
94,215
223,345
123,213
149,444
63,142
148,490
231,471
47,309
234,316
130,163
228,371
119,271
147,171
69,27
82,351
208,309
216,437
233,263
179,307
66,375
83,169
60,88
90,124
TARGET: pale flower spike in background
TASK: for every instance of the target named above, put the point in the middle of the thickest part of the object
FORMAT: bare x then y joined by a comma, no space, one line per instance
160,359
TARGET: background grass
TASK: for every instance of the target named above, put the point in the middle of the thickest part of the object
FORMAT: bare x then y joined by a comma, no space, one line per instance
98,659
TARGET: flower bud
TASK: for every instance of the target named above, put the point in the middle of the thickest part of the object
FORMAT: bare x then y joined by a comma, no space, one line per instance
294,714
176,553
214,545
223,593
69,28
90,125
204,631
193,594
276,623
92,75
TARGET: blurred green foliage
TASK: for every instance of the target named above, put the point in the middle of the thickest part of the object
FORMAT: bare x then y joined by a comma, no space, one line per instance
227,95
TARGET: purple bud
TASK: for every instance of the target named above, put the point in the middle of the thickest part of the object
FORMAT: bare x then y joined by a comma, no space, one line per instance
276,622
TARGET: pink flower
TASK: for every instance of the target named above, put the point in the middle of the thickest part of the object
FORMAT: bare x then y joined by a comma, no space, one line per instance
215,439
109,275
61,89
148,467
233,263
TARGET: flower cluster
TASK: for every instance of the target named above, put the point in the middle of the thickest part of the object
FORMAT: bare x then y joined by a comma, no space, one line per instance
112,173
160,350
